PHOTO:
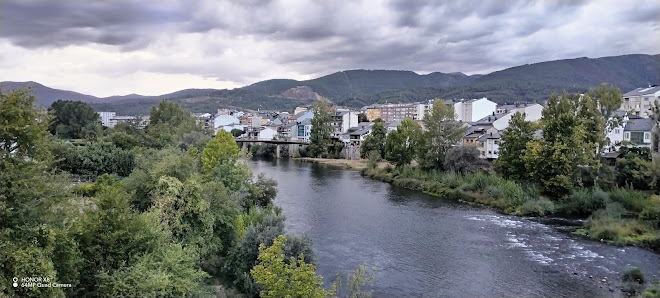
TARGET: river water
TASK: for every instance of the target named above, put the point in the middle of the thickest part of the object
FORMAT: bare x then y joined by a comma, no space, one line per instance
423,246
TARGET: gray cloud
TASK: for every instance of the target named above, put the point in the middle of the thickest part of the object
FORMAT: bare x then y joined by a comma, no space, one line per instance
243,41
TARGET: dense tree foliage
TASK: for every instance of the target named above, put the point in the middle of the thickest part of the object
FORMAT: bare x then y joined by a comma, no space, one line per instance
179,218
221,148
75,120
464,159
362,117
512,148
402,143
442,132
375,141
319,138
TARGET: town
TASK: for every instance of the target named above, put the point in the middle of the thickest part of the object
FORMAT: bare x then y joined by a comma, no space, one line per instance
483,119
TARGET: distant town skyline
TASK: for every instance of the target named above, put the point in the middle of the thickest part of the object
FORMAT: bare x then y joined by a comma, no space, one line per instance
155,47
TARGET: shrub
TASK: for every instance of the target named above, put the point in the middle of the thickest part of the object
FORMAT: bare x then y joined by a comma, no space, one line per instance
537,207
493,191
633,279
466,187
582,202
451,179
653,291
651,216
630,199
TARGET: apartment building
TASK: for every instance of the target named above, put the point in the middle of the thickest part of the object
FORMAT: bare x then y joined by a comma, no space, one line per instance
638,102
342,121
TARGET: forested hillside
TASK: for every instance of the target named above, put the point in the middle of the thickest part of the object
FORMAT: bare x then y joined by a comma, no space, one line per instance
355,88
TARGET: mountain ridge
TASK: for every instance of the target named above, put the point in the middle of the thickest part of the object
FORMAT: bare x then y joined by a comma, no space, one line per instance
528,82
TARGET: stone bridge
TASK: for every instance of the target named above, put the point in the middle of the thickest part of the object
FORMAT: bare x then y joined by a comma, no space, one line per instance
292,146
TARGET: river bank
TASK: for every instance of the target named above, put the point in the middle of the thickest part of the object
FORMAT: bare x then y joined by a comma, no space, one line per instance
353,164
425,246
620,217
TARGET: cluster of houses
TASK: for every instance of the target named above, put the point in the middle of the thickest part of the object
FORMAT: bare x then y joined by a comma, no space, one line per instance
484,121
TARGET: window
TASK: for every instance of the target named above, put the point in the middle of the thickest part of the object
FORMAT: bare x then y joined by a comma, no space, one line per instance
647,136
483,153
636,137
617,130
626,136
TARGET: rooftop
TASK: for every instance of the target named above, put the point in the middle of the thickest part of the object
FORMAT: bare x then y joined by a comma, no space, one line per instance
643,91
642,124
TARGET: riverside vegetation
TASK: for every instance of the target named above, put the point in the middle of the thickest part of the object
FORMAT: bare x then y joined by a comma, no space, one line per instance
559,174
167,211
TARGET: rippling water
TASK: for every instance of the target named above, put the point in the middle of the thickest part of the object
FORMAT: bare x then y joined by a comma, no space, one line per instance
423,246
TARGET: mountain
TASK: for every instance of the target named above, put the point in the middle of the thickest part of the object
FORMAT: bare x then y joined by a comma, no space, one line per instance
46,95
355,88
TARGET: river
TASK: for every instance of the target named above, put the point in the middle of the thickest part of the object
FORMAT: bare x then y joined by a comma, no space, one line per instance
423,246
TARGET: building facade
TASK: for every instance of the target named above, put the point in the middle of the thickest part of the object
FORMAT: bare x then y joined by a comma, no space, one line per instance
639,101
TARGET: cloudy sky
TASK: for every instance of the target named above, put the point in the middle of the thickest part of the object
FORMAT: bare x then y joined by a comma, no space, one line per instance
150,47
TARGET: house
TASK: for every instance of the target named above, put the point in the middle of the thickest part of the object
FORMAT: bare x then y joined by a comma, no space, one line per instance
267,133
615,134
492,145
304,129
638,102
288,132
533,112
256,122
355,135
392,126
341,122
638,132
302,116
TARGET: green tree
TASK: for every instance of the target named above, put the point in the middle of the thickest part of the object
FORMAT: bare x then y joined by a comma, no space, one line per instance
513,145
464,159
97,159
375,141
362,117
75,120
402,143
23,128
319,138
278,278
442,132
168,122
236,132
222,147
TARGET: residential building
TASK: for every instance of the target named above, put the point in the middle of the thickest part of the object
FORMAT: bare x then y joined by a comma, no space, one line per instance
355,135
225,120
288,132
256,122
106,117
615,134
638,102
205,119
638,132
341,122
267,133
392,126
473,109
373,112
492,145
533,112
302,116
304,129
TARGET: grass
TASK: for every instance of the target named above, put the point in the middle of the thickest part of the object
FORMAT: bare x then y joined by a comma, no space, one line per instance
622,216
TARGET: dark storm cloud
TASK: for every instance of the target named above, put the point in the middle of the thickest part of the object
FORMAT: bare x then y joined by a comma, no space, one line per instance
62,23
319,37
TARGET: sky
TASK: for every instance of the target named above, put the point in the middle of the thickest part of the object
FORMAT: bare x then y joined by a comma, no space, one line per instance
106,48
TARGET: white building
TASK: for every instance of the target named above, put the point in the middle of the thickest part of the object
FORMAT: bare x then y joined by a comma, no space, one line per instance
255,122
342,121
355,135
225,120
106,118
533,112
615,135
473,109
638,102
267,134
392,126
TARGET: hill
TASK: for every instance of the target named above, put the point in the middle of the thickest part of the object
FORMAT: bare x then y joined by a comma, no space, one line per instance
355,88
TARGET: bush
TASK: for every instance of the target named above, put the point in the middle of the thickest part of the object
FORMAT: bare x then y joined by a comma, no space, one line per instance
451,179
494,191
651,216
630,199
538,207
653,291
633,279
583,202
